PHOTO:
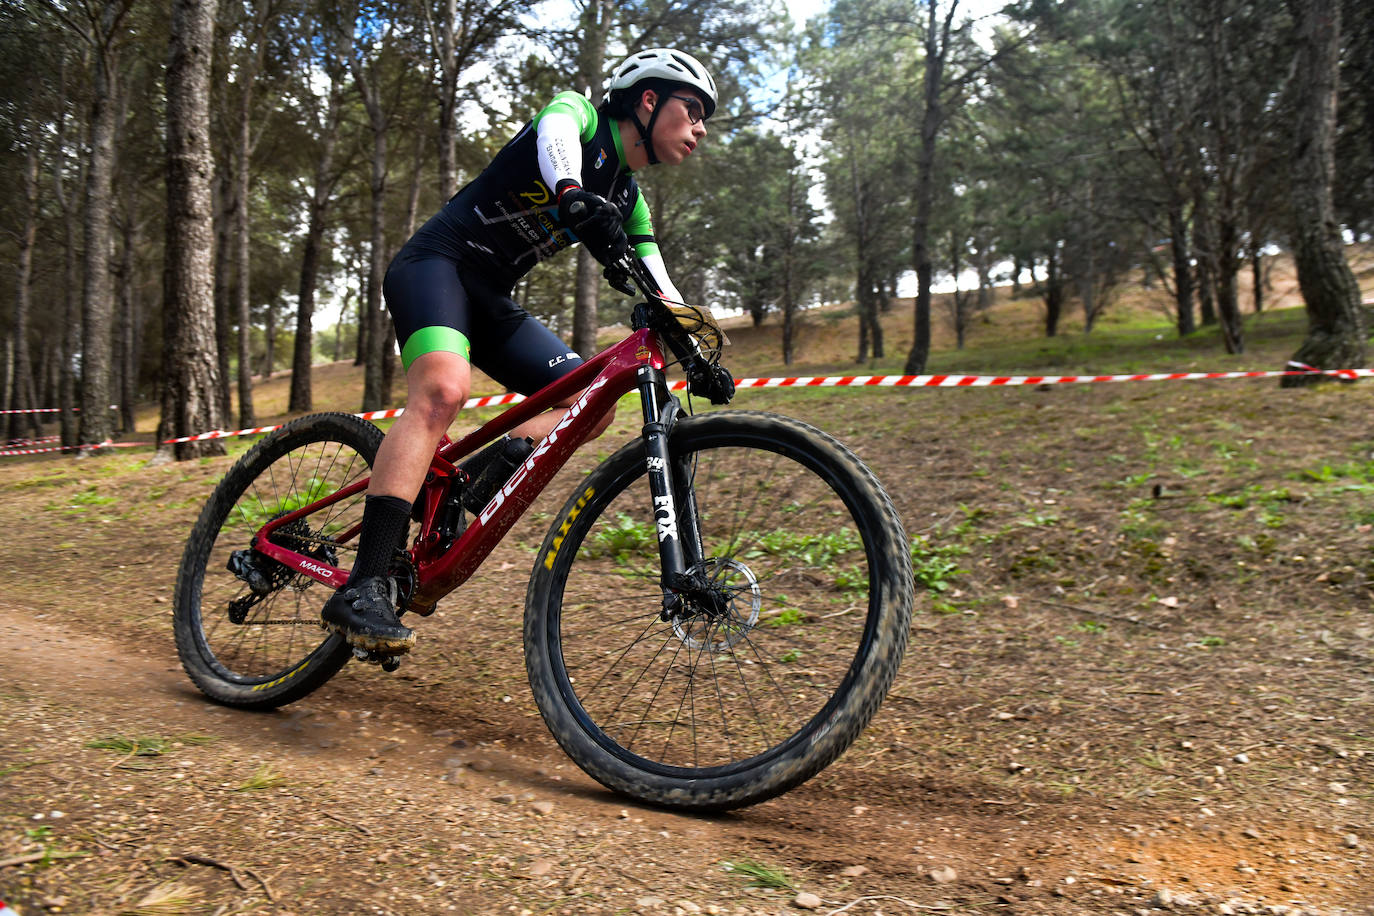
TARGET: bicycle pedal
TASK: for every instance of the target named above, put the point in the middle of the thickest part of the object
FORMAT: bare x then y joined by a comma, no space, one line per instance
389,661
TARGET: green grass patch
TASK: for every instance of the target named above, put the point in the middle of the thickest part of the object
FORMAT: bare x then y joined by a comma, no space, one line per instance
264,777
935,565
758,874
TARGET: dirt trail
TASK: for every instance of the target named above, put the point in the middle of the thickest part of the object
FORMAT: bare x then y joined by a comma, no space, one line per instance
395,810
1144,683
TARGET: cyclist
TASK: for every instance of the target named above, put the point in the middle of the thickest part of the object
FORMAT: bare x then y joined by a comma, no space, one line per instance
566,177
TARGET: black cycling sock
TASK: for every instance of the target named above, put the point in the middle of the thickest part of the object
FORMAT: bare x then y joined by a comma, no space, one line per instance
386,519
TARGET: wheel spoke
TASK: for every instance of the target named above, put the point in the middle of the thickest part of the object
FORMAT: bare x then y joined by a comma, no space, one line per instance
278,632
717,690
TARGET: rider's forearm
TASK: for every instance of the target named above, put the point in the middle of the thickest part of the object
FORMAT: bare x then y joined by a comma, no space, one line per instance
560,152
659,270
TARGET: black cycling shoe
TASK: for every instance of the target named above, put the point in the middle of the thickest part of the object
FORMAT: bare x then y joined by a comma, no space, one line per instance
365,615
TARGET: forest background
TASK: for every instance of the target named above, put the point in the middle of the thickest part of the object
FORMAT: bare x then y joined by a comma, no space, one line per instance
198,200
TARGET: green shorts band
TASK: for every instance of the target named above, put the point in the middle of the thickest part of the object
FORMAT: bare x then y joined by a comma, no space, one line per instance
435,339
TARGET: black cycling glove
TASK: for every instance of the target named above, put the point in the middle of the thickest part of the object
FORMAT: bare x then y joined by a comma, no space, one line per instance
620,279
595,221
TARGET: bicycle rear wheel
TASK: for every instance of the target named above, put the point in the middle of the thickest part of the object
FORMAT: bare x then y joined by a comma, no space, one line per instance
726,702
262,647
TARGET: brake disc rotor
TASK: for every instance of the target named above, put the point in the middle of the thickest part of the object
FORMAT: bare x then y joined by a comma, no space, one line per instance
719,631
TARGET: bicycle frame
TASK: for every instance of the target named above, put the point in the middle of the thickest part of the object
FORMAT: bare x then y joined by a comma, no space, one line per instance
635,362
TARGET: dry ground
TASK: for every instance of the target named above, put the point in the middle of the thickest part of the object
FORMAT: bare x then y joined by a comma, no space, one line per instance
1142,677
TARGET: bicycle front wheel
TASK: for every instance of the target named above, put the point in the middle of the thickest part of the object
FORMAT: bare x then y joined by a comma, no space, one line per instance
729,701
247,628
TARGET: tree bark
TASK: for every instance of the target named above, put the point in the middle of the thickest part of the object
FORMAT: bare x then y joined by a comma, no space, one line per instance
223,207
932,115
587,288
1336,332
71,323
1224,270
375,393
128,319
595,26
190,402
246,78
322,193
1256,258
1054,293
1183,268
97,300
21,370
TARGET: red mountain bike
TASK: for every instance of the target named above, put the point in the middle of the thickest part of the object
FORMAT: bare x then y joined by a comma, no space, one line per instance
715,614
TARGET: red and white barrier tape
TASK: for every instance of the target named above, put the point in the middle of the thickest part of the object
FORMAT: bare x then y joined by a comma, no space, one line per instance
984,381
829,381
48,410
879,381
389,414
70,448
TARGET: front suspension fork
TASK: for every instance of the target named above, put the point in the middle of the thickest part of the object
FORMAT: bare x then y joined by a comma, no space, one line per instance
676,523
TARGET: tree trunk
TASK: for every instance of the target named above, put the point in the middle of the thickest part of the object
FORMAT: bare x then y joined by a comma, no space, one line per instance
247,77
269,355
863,295
587,289
127,323
301,399
594,27
242,284
360,345
1204,253
97,305
376,349
374,397
1224,274
191,401
1256,258
224,206
448,99
1336,332
21,372
790,291
1054,293
932,115
302,396
1183,268
71,323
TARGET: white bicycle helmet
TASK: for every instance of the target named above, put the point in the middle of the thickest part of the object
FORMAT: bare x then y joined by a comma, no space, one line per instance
666,64
661,65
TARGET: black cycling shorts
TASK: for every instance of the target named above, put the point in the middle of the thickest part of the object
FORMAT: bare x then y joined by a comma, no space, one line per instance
438,304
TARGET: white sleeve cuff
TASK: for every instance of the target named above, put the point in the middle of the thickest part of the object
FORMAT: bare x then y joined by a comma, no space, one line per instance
659,270
560,150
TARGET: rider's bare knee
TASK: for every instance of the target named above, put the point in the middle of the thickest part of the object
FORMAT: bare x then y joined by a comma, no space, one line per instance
439,400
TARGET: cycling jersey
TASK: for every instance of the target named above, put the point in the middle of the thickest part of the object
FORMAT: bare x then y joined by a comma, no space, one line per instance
498,226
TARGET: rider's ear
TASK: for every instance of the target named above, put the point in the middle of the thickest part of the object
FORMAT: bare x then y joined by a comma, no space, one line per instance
649,99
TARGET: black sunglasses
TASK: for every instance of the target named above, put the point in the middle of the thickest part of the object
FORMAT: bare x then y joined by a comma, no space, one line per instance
695,112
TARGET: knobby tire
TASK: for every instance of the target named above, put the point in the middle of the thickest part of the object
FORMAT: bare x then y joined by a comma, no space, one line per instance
276,653
711,710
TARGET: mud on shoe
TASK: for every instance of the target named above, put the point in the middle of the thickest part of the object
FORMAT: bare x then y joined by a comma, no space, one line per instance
365,615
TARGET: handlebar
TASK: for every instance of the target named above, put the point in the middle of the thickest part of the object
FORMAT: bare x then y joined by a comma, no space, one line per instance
684,328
